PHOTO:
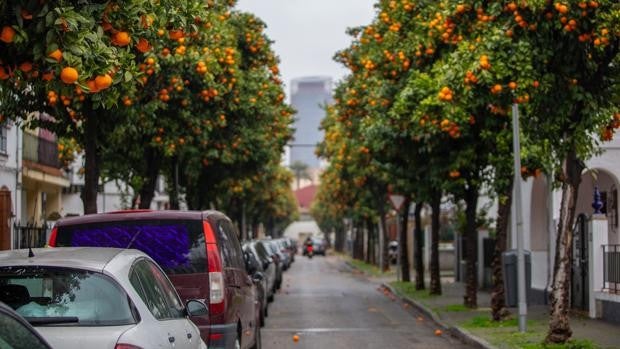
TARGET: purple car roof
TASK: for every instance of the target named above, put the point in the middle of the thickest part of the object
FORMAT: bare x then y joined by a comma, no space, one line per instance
137,215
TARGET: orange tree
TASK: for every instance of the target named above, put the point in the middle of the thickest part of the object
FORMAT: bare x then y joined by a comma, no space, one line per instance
557,59
187,70
267,199
74,60
252,123
351,168
575,46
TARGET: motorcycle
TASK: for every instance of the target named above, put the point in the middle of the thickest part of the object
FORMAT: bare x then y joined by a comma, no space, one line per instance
309,251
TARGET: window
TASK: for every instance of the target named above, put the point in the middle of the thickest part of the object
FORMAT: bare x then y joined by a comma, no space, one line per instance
3,138
15,335
178,246
229,245
44,292
155,291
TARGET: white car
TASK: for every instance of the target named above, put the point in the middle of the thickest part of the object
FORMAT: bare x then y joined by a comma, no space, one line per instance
94,298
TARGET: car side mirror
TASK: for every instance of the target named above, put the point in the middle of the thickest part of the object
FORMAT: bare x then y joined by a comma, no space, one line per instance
258,277
195,307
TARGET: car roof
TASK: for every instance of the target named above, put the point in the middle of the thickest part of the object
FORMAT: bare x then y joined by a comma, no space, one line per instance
89,258
136,215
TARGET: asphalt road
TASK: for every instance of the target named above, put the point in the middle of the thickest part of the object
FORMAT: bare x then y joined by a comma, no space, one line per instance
328,306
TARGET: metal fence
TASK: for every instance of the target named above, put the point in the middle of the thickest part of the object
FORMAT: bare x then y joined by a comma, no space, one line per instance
611,267
30,235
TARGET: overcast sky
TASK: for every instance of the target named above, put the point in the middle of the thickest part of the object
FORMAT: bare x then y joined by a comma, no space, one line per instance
307,33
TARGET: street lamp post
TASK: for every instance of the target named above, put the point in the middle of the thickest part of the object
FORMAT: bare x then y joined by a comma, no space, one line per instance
517,220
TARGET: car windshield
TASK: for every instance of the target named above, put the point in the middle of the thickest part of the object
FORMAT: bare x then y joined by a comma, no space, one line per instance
71,297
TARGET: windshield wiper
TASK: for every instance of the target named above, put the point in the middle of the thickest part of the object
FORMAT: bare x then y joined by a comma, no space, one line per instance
52,320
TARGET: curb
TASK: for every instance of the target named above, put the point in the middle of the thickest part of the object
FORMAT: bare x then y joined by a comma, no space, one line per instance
455,331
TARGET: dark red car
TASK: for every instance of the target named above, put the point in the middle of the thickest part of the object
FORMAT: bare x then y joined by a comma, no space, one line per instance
199,251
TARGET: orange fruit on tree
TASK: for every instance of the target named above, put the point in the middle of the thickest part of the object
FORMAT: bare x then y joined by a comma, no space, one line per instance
103,81
56,54
143,45
512,85
176,34
48,76
69,75
7,34
92,86
3,74
121,39
25,67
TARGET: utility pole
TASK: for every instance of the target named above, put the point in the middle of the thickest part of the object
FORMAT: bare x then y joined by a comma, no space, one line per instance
517,220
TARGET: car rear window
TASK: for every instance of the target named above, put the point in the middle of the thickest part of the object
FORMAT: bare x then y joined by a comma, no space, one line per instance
61,293
178,246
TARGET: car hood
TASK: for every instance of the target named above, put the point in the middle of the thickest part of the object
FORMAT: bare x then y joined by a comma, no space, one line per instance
79,337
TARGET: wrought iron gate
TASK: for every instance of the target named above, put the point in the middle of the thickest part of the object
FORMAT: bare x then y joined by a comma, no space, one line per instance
579,263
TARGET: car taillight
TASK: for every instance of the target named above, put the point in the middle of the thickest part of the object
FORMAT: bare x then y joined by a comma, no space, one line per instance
216,278
53,234
126,346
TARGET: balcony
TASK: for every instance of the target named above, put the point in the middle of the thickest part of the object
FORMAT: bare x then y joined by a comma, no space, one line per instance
41,151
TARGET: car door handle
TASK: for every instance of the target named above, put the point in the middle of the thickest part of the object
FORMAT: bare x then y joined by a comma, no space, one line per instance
171,339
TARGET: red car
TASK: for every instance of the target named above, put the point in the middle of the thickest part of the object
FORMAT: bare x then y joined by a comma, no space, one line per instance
199,251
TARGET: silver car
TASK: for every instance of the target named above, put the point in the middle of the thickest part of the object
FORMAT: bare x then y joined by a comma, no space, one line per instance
93,298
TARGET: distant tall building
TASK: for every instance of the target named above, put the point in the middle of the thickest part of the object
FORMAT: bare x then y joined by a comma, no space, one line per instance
308,96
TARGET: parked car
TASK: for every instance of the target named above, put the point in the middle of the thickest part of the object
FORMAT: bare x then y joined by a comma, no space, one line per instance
319,246
199,251
98,298
287,247
254,268
275,257
268,267
284,258
17,333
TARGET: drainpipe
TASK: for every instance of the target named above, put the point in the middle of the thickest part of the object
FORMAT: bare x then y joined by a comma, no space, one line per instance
18,184
551,235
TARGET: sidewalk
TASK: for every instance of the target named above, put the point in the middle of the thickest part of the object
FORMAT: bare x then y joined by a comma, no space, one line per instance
476,325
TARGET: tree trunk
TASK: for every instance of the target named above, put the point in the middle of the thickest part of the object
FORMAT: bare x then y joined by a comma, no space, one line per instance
339,243
383,231
471,253
359,242
434,267
174,188
498,295
419,248
367,242
559,327
91,163
404,255
147,192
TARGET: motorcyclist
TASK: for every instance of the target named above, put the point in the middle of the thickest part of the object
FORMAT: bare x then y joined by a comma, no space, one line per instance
309,247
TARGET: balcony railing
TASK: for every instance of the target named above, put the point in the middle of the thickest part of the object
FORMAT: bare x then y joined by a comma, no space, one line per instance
30,235
42,151
611,267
